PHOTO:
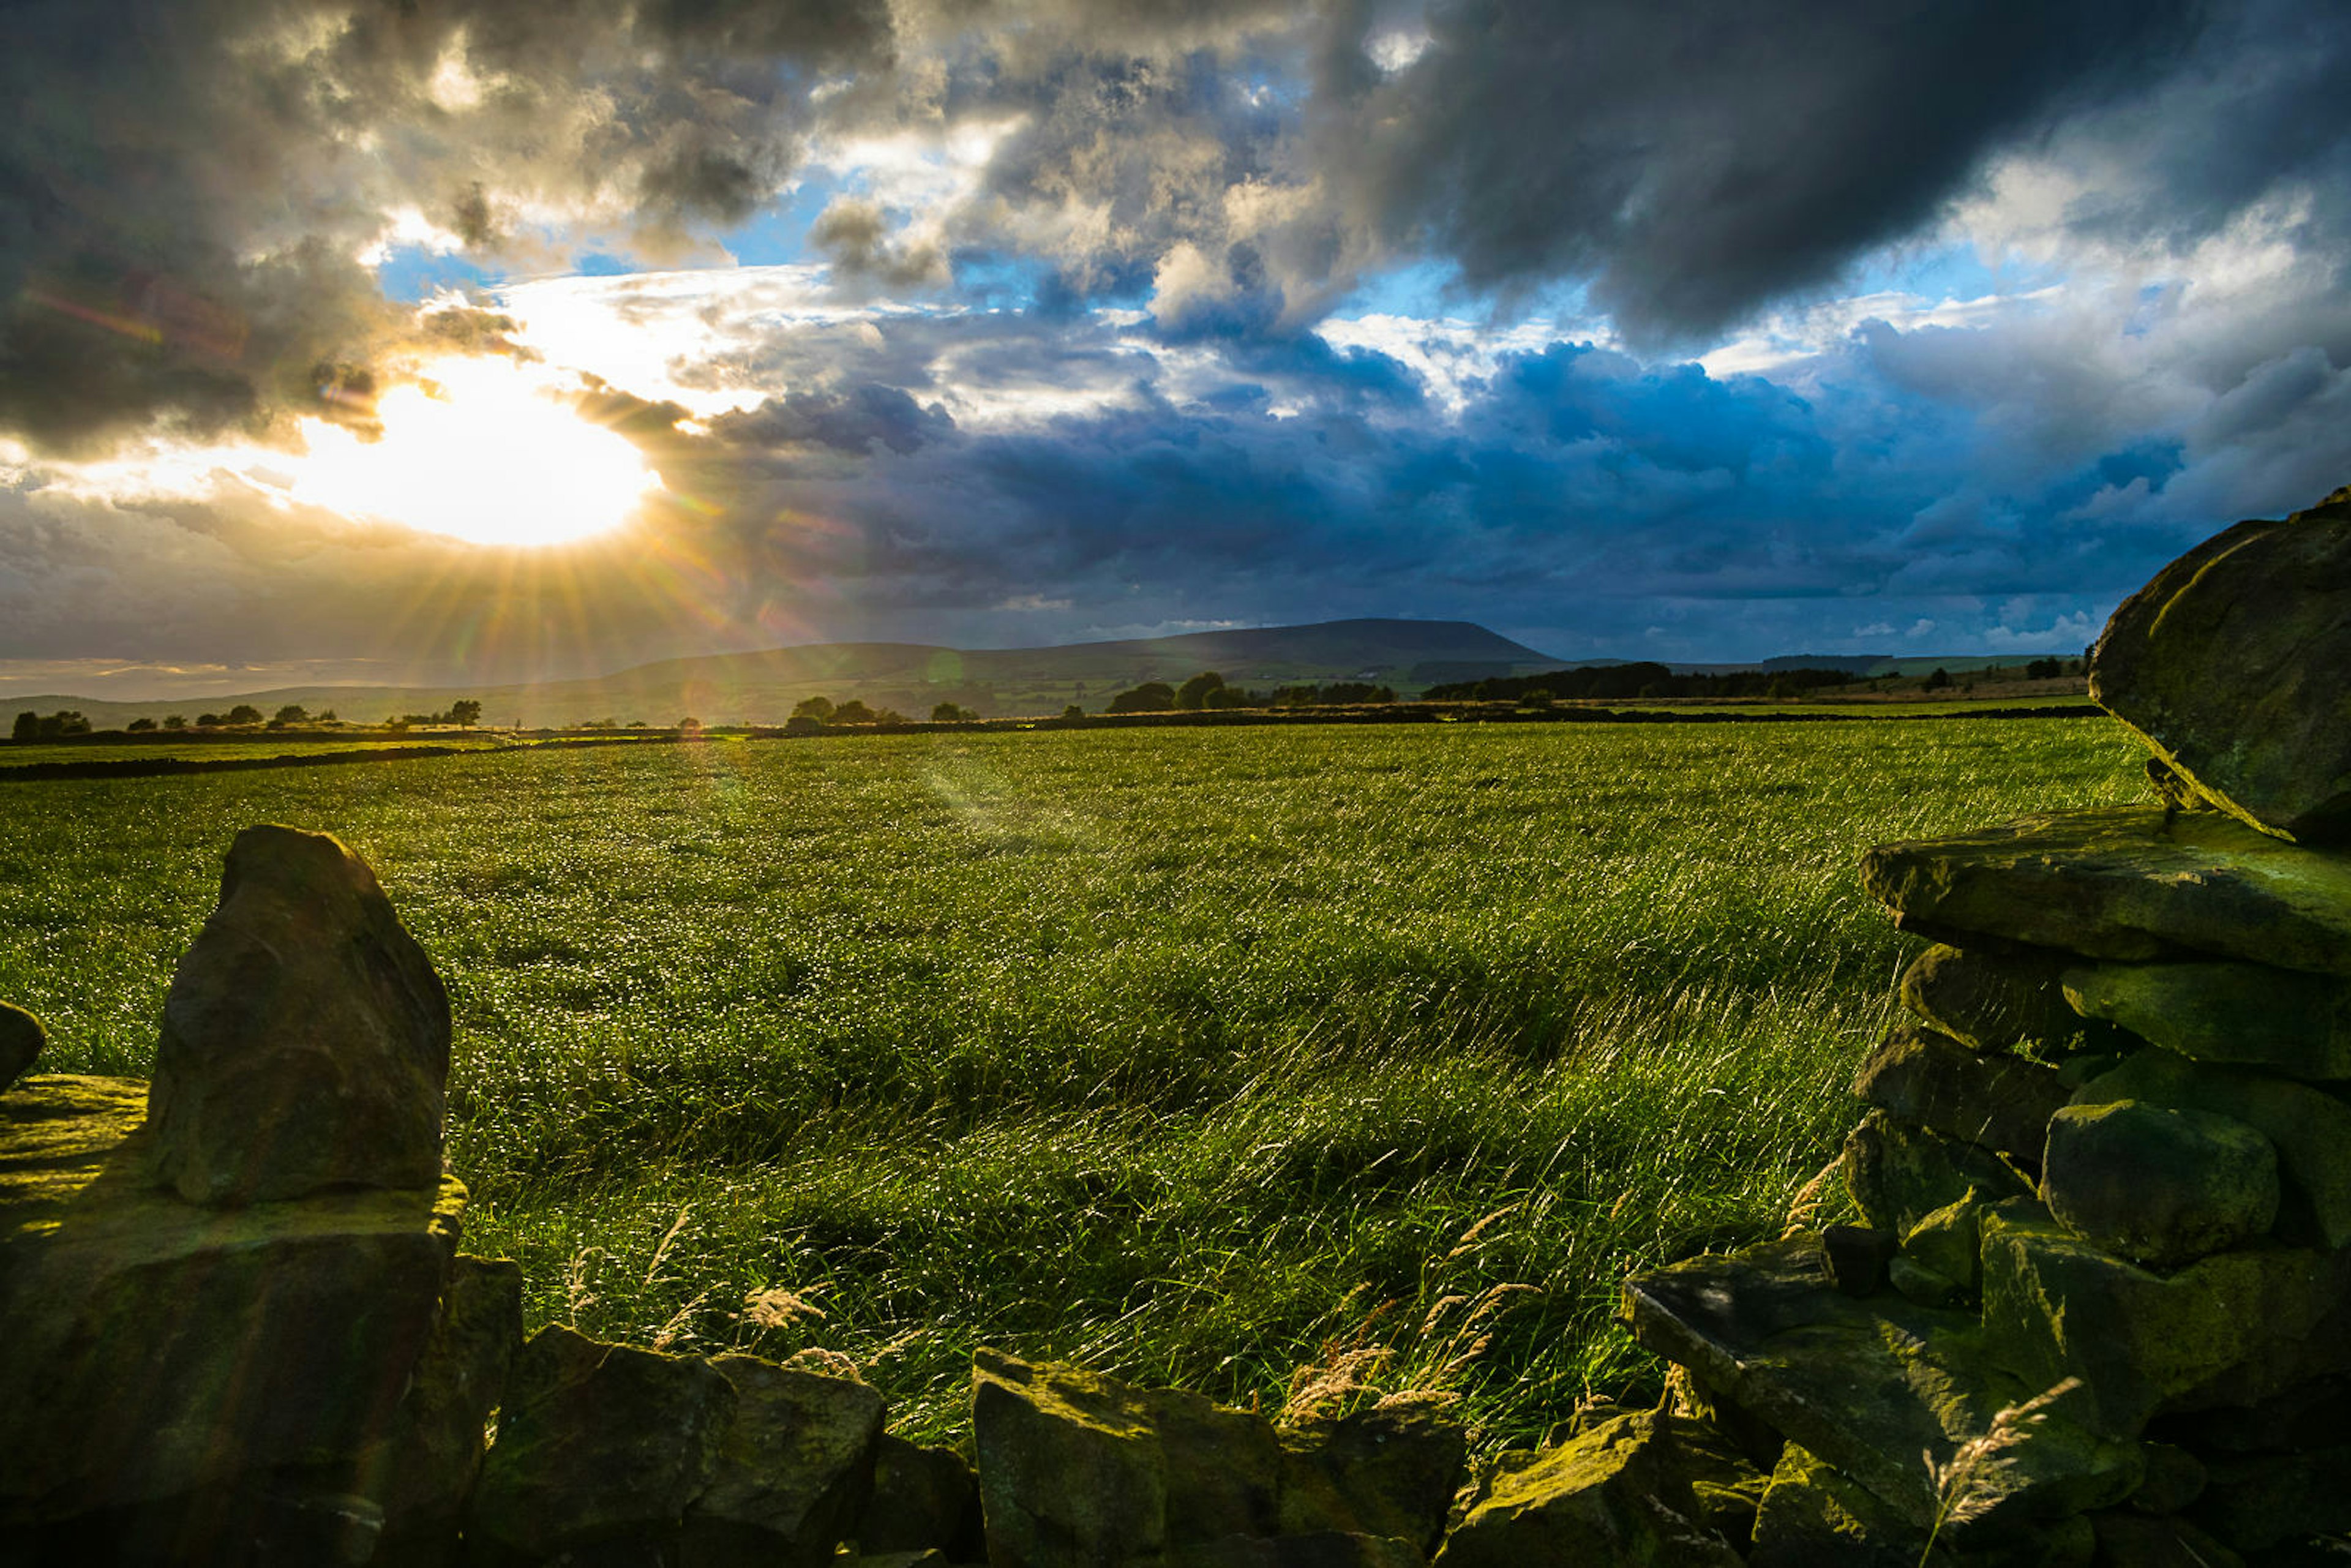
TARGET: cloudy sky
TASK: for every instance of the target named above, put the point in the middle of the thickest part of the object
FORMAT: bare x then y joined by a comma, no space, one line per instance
479,339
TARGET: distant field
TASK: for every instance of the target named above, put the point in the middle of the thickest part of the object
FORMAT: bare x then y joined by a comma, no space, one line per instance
1196,1054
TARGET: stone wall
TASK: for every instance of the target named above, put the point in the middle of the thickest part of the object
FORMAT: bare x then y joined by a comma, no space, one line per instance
2093,1304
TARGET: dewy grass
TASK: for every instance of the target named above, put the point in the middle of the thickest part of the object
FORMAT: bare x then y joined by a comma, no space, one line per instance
1280,1062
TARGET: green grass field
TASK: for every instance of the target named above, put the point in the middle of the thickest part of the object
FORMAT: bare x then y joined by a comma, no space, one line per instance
1198,1055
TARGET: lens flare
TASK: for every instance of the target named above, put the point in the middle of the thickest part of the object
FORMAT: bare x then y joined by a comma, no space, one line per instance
474,450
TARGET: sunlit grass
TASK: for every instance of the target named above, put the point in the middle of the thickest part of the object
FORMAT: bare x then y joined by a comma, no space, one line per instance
1192,1053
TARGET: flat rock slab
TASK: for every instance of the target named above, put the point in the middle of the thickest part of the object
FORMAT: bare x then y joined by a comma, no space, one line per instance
2229,661
155,1347
2249,1014
2131,883
1868,1385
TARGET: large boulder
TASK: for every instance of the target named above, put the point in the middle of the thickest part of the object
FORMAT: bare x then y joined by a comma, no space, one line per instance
2227,664
2130,883
158,1351
2159,1186
306,1037
599,1448
1612,1494
2244,1014
795,1469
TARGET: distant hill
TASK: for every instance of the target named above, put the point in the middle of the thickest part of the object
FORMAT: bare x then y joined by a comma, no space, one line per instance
763,688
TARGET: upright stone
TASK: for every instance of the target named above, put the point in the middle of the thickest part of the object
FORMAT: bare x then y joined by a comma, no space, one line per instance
306,1038
2229,664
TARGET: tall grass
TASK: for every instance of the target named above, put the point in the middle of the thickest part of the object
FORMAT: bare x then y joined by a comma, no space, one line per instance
1200,1055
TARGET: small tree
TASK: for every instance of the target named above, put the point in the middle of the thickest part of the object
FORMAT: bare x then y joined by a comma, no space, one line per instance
28,727
139,726
947,713
292,713
1074,711
818,709
690,725
208,721
852,712
244,713
174,721
465,711
1940,679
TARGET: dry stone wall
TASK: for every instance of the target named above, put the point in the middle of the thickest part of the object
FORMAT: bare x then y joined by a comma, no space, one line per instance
2091,1303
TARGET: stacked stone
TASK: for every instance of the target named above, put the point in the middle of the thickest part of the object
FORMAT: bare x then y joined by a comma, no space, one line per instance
2096,1306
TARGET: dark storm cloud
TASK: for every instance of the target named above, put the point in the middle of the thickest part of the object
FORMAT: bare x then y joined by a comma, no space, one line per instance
186,184
1696,159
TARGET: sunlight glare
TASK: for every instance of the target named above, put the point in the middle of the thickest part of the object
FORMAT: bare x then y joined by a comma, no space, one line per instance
483,454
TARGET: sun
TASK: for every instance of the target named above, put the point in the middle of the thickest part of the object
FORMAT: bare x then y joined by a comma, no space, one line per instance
476,450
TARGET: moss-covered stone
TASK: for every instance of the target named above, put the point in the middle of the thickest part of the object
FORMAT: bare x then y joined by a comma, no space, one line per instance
306,1037
2243,1014
2159,1186
1073,1471
2311,1130
599,1446
22,1040
1388,1473
156,1349
2130,883
2227,664
1612,1495
794,1472
1812,1516
1946,1241
1997,999
2232,1329
1994,1101
1899,1174
1870,1386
